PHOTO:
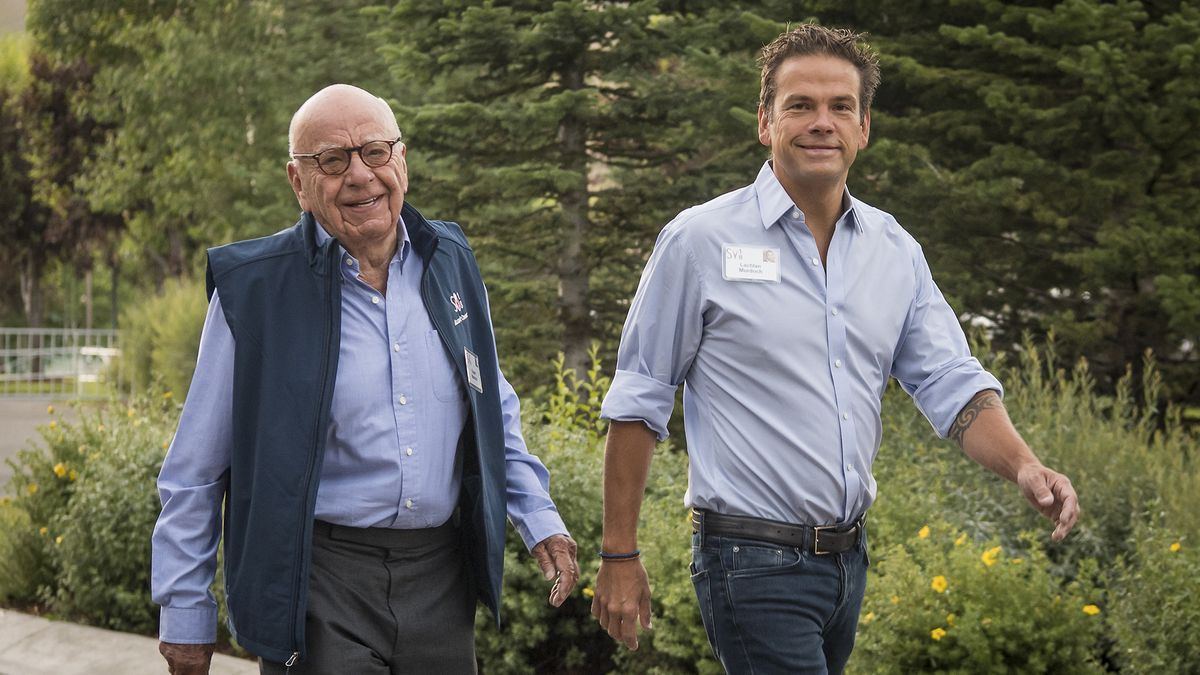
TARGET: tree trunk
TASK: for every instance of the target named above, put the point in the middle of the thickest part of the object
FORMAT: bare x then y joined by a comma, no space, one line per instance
87,299
572,264
114,263
31,298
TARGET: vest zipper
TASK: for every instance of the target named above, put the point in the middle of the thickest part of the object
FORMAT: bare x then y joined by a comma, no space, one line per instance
331,271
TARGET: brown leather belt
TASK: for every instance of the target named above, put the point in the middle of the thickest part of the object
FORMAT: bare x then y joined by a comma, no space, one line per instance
821,539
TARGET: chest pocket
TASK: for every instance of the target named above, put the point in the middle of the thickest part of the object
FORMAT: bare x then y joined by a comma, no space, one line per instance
443,372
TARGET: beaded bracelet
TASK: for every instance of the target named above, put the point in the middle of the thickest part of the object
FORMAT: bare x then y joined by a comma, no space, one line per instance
619,557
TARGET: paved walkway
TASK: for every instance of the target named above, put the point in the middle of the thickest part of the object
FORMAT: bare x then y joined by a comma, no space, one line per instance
34,646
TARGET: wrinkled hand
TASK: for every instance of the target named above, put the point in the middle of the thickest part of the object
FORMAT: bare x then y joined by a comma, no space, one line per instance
622,600
186,659
1052,494
556,556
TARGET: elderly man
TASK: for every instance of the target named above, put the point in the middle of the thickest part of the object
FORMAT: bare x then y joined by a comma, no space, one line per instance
784,307
348,432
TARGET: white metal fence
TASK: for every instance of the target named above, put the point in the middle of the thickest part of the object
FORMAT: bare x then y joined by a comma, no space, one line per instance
57,363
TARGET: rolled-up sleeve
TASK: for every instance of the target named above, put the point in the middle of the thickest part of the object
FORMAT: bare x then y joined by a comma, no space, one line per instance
192,486
661,336
934,363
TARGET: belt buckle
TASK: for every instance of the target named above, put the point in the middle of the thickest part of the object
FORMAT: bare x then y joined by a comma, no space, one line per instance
817,538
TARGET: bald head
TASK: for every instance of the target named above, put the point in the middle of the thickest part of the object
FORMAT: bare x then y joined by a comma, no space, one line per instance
334,104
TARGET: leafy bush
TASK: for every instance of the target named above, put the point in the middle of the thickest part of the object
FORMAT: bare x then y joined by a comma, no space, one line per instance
538,638
1153,613
943,603
83,505
160,337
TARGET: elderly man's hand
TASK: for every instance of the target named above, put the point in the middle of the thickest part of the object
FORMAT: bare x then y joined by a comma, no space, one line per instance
1052,494
556,556
186,659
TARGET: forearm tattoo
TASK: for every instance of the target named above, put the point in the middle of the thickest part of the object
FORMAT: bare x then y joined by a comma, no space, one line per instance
970,412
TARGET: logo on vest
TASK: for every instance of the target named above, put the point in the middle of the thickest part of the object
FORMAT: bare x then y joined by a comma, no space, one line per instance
457,303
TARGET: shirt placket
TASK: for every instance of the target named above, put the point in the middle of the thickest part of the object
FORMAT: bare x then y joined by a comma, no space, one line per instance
839,366
405,398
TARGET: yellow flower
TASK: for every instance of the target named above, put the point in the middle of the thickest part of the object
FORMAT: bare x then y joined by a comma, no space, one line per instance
99,427
895,599
1175,547
60,470
989,556
32,488
868,618
83,449
130,413
43,530
1091,610
167,394
58,540
938,584
962,539
951,618
73,475
1017,561
923,532
49,410
985,621
52,424
166,445
937,633
588,592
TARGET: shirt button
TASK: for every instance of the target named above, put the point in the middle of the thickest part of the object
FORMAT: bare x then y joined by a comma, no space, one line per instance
349,261
408,451
374,299
849,468
837,363
795,213
834,311
403,400
816,261
408,503
845,416
396,347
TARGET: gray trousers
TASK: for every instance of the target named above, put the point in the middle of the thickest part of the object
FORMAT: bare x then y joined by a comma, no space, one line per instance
386,602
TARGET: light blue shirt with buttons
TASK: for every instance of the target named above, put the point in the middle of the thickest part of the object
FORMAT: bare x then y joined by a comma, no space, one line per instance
783,378
390,455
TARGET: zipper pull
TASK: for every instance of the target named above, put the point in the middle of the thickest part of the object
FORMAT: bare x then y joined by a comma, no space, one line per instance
292,660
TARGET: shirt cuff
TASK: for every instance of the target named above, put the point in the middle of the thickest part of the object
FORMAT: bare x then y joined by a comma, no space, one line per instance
188,626
633,396
944,396
535,527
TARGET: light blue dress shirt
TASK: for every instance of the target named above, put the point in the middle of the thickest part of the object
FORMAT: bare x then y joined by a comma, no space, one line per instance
783,379
390,457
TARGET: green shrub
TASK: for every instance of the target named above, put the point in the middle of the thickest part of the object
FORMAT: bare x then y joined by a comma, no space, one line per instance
1152,614
943,603
160,337
538,638
103,535
83,503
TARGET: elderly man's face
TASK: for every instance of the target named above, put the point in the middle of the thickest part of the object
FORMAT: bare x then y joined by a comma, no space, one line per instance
360,206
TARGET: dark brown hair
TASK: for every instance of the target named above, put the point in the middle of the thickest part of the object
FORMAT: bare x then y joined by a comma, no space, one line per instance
809,39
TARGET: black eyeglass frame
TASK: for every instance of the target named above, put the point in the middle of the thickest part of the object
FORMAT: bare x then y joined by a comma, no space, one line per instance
350,155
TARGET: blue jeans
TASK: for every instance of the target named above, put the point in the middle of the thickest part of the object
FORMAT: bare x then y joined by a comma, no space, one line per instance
778,609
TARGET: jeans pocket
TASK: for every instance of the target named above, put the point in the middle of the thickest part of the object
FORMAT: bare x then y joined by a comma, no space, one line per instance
755,557
702,585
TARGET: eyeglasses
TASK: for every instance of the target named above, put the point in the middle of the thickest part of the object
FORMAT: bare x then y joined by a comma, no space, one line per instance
335,161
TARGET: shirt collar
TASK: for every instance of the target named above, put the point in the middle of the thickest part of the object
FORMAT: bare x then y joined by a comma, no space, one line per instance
774,202
401,250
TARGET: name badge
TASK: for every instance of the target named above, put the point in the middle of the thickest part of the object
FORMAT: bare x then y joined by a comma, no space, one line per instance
473,377
750,263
